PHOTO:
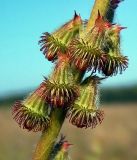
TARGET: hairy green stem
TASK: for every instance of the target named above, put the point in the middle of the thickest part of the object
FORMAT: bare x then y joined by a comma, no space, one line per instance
48,138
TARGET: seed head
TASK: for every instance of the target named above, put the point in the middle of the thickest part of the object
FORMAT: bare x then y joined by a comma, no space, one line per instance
85,56
32,113
84,112
86,52
60,88
114,62
58,41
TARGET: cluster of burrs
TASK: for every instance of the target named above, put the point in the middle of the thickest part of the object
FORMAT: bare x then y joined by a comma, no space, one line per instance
99,49
69,47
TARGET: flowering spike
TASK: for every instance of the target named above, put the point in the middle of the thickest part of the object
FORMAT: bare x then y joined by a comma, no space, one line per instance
58,41
84,112
61,90
32,113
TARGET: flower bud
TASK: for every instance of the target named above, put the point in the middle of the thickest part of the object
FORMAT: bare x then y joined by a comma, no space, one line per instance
58,41
33,112
84,112
86,52
114,61
60,88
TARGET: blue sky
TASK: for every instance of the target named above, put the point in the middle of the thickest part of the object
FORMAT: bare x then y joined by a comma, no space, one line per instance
22,22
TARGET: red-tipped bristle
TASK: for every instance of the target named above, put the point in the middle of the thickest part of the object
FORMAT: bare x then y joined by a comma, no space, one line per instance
118,28
83,118
101,23
27,119
77,18
60,95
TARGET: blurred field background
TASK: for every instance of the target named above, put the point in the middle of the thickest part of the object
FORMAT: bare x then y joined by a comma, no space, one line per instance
114,139
22,67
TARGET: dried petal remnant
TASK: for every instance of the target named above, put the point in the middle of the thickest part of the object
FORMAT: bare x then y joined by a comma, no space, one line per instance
84,118
27,119
60,95
114,65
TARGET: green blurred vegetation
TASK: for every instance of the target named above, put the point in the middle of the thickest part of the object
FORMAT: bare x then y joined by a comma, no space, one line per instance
119,94
108,95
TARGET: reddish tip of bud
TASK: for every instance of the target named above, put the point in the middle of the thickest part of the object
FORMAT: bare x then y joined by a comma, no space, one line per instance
66,145
99,18
107,25
101,24
77,18
63,57
119,28
99,15
75,14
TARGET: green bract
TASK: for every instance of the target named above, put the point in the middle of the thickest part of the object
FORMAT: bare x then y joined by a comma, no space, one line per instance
58,41
84,112
61,89
33,112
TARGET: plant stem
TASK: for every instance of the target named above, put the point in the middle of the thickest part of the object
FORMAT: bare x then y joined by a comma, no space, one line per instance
103,6
48,138
78,75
